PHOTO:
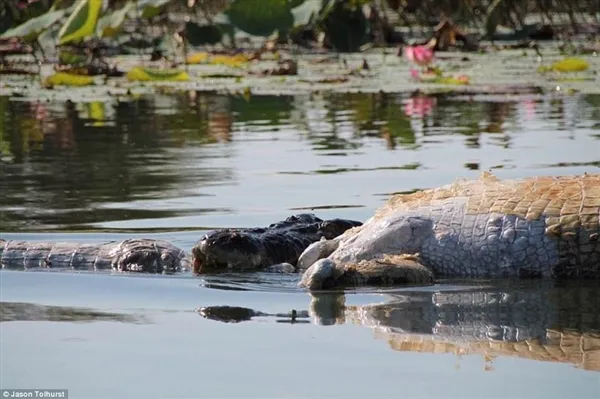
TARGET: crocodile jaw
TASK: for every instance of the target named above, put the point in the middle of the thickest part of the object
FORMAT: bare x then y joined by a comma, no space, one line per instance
210,256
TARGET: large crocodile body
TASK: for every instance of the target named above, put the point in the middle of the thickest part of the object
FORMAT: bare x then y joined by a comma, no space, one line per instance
533,227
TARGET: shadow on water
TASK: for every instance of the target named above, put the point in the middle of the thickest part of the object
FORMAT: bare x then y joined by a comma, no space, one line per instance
533,320
176,159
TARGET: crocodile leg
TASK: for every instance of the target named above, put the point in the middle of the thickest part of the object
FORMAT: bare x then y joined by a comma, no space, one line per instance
390,270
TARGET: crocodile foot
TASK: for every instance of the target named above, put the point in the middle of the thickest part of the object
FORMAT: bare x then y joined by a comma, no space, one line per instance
390,270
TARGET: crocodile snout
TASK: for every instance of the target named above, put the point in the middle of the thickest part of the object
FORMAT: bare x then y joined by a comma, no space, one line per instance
253,248
225,249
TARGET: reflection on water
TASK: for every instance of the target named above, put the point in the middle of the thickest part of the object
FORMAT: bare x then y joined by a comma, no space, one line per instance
532,320
16,311
539,321
197,159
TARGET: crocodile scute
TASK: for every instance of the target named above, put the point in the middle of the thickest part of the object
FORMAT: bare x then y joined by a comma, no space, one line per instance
535,227
130,255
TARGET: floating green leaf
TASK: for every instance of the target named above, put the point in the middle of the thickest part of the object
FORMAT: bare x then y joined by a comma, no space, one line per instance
31,29
566,65
345,26
68,79
197,35
110,24
71,58
260,17
152,74
82,22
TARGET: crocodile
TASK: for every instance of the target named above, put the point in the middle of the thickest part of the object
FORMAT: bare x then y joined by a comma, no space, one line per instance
261,248
131,255
535,227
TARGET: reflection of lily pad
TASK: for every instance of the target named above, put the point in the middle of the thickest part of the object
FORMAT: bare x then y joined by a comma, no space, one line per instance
152,74
266,108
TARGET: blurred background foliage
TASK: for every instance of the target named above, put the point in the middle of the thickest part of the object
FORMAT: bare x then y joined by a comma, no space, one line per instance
343,26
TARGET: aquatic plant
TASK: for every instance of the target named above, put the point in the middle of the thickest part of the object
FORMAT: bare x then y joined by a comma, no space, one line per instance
424,56
421,55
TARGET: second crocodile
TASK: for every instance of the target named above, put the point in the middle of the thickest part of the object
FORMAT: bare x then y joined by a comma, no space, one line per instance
255,248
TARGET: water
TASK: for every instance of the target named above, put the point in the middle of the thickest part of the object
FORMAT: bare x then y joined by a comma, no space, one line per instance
199,160
422,342
175,165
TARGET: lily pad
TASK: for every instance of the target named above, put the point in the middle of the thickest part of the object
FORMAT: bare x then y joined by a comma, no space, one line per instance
31,29
110,24
82,22
261,17
566,65
151,8
436,76
234,61
197,58
68,79
345,25
198,35
153,74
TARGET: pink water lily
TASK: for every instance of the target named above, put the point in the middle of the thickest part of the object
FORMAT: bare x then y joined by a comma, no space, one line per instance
420,55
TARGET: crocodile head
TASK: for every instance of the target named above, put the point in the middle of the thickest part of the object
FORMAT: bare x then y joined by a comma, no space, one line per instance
262,247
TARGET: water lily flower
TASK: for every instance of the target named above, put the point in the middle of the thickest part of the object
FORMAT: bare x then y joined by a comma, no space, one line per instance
420,55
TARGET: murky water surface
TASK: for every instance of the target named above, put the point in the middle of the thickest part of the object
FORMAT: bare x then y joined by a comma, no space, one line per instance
173,166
